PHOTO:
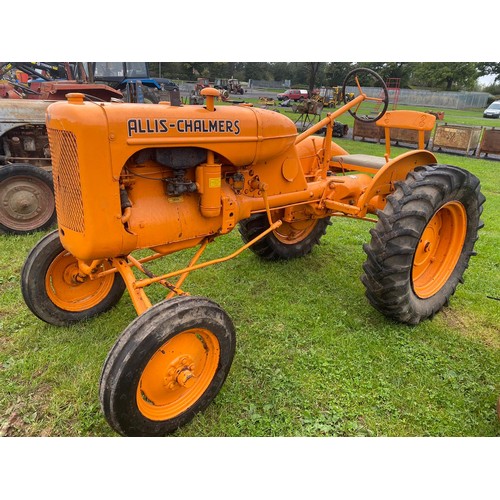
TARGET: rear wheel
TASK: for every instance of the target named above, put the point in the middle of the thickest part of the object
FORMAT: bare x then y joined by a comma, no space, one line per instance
52,292
169,364
26,199
422,243
291,240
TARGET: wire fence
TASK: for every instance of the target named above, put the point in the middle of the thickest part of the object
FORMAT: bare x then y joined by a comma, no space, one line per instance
440,99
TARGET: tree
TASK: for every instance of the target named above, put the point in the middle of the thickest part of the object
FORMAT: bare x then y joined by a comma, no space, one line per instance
336,72
313,69
447,75
172,70
257,71
280,71
388,70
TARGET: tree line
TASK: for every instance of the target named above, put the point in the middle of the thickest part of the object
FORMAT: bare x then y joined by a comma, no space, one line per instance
433,75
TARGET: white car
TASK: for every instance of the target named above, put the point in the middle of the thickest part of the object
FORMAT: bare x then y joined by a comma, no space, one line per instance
493,110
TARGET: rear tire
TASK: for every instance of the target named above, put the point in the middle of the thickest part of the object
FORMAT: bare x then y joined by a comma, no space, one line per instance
168,365
422,243
26,199
50,293
289,241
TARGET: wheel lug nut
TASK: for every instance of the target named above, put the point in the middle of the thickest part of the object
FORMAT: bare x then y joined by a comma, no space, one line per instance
185,378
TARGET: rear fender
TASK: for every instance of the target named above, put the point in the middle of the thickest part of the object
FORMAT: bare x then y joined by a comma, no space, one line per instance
383,182
311,152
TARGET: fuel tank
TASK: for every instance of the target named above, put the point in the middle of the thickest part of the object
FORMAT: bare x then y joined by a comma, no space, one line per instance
241,134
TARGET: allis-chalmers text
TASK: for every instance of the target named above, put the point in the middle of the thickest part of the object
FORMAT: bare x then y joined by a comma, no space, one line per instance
137,126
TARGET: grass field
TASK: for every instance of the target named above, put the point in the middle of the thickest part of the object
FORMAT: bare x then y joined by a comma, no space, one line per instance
313,358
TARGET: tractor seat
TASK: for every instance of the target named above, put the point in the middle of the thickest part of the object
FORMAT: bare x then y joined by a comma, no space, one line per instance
404,119
359,162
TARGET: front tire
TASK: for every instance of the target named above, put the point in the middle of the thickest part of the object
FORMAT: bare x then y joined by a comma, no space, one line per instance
291,240
422,243
51,293
168,364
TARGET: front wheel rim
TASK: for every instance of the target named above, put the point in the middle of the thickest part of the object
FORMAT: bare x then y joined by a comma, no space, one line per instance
26,203
178,374
439,249
69,294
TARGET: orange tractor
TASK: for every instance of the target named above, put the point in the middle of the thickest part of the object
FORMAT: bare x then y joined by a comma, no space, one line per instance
164,178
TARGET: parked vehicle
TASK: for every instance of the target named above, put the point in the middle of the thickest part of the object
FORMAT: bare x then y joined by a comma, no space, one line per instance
493,110
132,79
26,186
232,85
293,95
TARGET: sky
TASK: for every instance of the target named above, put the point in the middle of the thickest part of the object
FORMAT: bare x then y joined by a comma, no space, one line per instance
257,30
486,80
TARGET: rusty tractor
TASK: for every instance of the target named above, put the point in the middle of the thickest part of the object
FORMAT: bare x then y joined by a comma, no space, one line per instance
26,188
164,178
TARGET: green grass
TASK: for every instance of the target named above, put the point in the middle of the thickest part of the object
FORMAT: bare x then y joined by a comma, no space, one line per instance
313,358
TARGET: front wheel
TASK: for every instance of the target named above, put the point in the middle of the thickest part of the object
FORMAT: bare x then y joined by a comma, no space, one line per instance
168,365
294,238
52,291
422,243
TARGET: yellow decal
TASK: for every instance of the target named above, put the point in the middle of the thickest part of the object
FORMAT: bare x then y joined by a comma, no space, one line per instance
175,199
214,182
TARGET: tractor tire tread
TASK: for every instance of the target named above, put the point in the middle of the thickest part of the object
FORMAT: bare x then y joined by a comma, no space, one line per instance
139,341
33,286
388,268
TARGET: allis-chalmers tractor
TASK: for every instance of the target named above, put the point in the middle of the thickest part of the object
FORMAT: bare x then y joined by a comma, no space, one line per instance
164,178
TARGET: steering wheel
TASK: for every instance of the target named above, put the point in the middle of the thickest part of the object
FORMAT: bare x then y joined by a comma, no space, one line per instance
372,108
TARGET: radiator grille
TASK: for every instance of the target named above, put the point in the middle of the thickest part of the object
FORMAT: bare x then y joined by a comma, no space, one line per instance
67,186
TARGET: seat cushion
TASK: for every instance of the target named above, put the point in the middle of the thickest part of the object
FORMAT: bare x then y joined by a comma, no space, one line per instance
360,160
